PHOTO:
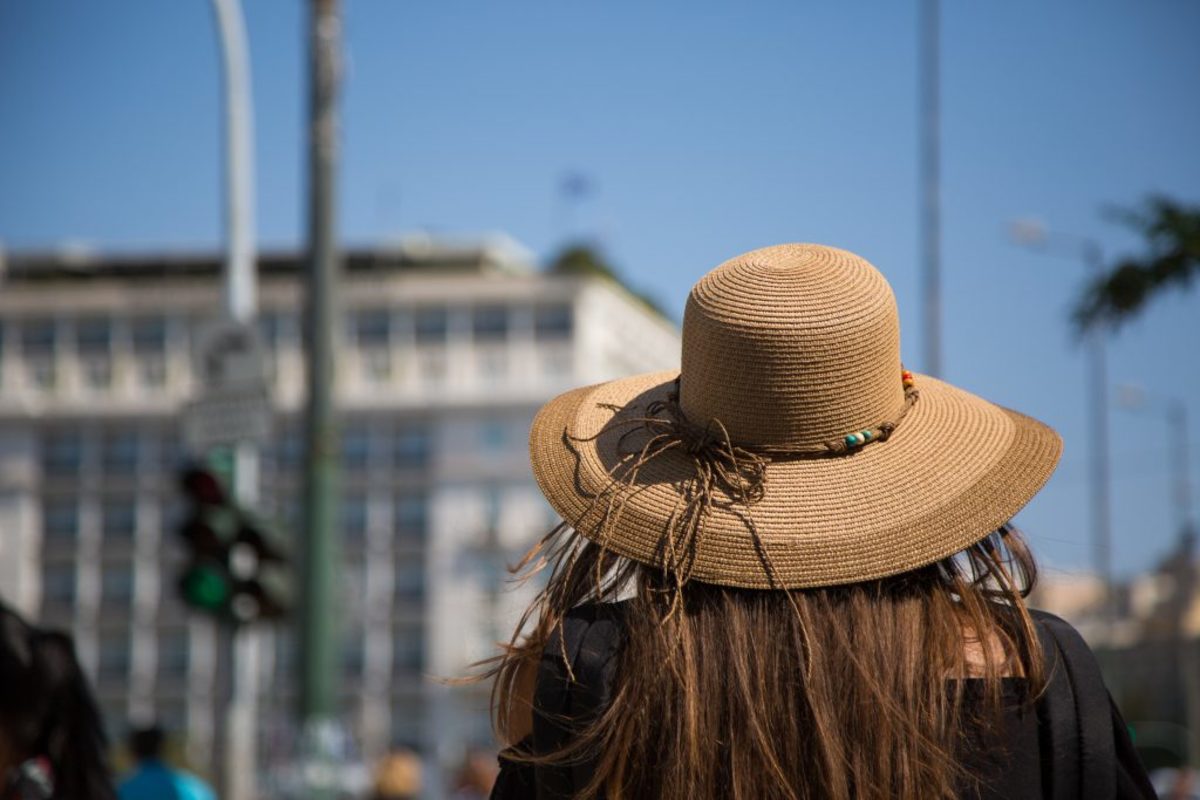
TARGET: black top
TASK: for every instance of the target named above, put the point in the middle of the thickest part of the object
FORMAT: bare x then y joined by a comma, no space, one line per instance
1071,744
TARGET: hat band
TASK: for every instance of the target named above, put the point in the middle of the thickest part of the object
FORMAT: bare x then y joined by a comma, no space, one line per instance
725,474
830,447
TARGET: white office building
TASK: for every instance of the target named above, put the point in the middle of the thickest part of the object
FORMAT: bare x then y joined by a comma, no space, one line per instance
446,352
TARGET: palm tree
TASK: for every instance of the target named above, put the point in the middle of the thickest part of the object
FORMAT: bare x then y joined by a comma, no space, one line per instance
1172,260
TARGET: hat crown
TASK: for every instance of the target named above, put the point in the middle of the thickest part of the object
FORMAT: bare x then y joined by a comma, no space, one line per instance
791,345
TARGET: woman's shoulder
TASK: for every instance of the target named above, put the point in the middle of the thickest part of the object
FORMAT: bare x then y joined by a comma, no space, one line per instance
1057,623
1060,639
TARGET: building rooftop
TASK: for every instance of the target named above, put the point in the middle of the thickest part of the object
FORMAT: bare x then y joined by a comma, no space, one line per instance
415,252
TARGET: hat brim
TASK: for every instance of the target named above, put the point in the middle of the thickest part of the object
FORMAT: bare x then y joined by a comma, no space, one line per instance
955,470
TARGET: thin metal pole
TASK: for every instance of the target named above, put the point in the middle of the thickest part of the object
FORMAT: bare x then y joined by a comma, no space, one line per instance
237,746
930,166
1101,477
240,289
1181,491
1181,495
317,635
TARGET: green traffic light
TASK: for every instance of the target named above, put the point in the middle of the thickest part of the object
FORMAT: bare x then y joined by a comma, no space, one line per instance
205,587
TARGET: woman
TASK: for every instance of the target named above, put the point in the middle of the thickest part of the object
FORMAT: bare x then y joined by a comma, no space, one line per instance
52,743
786,572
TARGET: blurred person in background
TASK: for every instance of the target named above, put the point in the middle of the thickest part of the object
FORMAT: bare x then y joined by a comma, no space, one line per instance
52,742
398,776
786,571
476,776
152,778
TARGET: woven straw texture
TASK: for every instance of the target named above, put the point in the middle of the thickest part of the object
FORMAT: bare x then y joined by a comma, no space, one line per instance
793,346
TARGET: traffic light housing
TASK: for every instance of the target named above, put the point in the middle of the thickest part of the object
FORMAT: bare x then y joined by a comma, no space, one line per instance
235,570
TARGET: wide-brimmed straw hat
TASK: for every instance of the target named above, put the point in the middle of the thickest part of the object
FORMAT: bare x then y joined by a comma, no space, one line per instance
791,449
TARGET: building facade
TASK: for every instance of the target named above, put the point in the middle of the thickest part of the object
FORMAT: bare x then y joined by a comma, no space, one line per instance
446,351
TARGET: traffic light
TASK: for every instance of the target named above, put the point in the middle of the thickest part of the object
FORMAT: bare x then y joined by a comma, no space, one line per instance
235,568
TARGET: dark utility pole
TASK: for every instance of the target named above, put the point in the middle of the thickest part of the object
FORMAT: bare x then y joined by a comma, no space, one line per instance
318,664
929,54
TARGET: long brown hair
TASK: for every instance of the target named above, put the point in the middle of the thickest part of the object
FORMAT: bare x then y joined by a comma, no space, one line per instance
842,692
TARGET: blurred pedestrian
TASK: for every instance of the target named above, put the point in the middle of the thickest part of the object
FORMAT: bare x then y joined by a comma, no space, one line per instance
152,778
476,776
398,776
785,572
52,742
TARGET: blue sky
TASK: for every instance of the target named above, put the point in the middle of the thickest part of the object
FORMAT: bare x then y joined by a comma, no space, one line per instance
707,129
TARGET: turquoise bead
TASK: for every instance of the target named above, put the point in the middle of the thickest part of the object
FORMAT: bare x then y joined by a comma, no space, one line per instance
866,435
851,440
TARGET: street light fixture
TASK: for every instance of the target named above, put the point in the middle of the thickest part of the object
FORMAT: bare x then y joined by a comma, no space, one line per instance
1034,234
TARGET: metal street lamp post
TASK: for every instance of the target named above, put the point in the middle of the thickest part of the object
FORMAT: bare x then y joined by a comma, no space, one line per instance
1034,235
318,632
238,650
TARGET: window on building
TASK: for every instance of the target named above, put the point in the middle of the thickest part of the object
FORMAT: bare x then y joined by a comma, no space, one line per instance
97,372
288,450
116,584
490,323
93,337
408,727
410,517
270,325
495,436
170,715
119,455
286,656
290,513
356,447
170,452
271,328
354,516
408,583
372,328
352,583
377,363
430,325
118,519
149,338
59,586
114,656
432,365
411,447
407,649
353,657
113,704
174,653
148,335
493,503
38,338
493,364
60,519
152,371
43,372
38,345
62,453
552,322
